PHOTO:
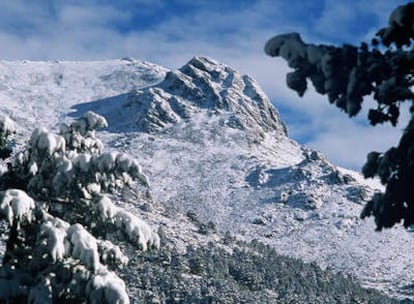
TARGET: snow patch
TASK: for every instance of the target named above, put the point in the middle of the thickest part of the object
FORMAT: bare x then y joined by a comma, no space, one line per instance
17,206
47,142
85,247
7,126
106,287
137,230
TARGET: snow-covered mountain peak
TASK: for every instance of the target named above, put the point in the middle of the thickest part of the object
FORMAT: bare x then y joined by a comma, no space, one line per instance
218,150
206,85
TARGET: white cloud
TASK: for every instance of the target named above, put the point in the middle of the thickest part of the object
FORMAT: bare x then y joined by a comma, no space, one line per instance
80,16
348,144
340,20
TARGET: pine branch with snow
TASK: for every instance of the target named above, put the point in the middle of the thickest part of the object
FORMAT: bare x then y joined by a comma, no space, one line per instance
7,128
52,252
383,69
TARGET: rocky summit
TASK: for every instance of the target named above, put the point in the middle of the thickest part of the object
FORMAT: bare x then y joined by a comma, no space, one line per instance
205,84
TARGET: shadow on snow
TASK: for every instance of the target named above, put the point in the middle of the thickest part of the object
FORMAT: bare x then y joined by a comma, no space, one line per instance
113,109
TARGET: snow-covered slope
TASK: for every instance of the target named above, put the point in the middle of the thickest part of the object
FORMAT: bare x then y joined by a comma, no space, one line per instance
34,93
212,143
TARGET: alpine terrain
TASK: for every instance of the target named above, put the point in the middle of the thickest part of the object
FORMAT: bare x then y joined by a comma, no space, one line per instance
238,205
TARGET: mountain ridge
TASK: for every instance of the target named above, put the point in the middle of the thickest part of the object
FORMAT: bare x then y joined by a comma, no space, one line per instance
203,83
224,155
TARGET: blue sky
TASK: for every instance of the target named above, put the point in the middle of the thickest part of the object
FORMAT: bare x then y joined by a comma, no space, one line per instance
169,33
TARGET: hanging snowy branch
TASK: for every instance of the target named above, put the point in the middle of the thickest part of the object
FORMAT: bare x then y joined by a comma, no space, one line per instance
346,75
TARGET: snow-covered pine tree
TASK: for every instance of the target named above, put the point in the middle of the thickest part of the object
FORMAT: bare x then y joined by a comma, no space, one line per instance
56,199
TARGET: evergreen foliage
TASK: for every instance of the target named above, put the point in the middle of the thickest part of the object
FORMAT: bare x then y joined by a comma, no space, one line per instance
383,68
248,273
56,199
